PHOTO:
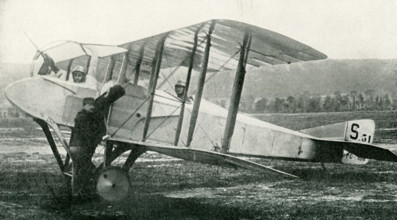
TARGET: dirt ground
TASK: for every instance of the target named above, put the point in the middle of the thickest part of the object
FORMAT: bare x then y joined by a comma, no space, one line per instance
31,186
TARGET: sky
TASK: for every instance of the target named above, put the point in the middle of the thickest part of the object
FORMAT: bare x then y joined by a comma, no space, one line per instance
342,29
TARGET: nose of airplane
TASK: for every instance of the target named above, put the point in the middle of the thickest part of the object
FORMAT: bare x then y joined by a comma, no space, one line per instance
38,97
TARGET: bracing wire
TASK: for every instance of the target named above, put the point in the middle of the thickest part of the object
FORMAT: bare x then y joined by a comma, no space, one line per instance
209,138
225,63
177,67
160,107
166,118
129,117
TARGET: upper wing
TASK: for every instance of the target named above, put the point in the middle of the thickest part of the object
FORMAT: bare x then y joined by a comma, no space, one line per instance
267,47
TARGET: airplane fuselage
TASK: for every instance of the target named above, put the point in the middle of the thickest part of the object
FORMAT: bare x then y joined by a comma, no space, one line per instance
50,97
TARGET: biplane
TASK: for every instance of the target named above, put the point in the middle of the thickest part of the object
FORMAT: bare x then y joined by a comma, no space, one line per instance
150,118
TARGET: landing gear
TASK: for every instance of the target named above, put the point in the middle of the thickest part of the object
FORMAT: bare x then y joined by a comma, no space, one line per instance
113,184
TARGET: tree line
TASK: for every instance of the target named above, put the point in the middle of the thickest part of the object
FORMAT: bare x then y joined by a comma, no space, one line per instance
369,100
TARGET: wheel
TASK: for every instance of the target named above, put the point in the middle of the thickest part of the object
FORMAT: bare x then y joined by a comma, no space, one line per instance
113,184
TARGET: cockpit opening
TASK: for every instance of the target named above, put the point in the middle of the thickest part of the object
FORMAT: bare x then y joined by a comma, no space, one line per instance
84,65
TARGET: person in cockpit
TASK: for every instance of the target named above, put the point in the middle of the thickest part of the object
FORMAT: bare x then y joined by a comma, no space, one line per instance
180,88
79,75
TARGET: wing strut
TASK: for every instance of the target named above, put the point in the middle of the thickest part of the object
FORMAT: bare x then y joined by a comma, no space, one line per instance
236,92
185,59
109,71
200,86
153,82
69,69
92,62
138,64
124,67
189,73
50,139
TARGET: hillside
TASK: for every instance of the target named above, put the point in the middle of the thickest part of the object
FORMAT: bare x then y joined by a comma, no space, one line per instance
319,77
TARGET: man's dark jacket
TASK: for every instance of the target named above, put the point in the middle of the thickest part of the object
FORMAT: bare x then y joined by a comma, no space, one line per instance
89,127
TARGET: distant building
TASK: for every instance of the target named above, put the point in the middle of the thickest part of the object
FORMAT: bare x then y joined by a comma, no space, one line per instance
7,110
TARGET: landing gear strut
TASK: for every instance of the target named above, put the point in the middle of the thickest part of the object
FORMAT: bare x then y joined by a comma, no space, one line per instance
113,182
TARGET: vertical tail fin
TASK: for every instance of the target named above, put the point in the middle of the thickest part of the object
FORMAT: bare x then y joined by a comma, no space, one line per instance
360,131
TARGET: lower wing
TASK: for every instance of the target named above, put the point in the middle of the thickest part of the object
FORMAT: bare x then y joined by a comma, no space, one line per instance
208,157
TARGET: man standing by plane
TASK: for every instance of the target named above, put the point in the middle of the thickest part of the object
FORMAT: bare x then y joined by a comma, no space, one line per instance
87,133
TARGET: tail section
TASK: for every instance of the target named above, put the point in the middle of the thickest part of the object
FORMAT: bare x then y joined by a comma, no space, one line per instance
361,131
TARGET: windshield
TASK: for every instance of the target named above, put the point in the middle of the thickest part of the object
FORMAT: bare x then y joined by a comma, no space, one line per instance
67,56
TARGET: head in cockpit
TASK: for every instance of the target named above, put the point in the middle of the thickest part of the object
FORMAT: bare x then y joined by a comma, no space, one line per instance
79,74
180,88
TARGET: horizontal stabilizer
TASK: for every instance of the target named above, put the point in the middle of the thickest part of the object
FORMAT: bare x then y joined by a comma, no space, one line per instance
359,131
361,149
208,157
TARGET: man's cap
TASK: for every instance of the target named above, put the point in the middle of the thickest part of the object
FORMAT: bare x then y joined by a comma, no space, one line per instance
79,68
88,100
180,83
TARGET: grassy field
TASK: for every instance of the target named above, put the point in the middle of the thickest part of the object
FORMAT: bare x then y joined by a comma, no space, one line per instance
32,187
